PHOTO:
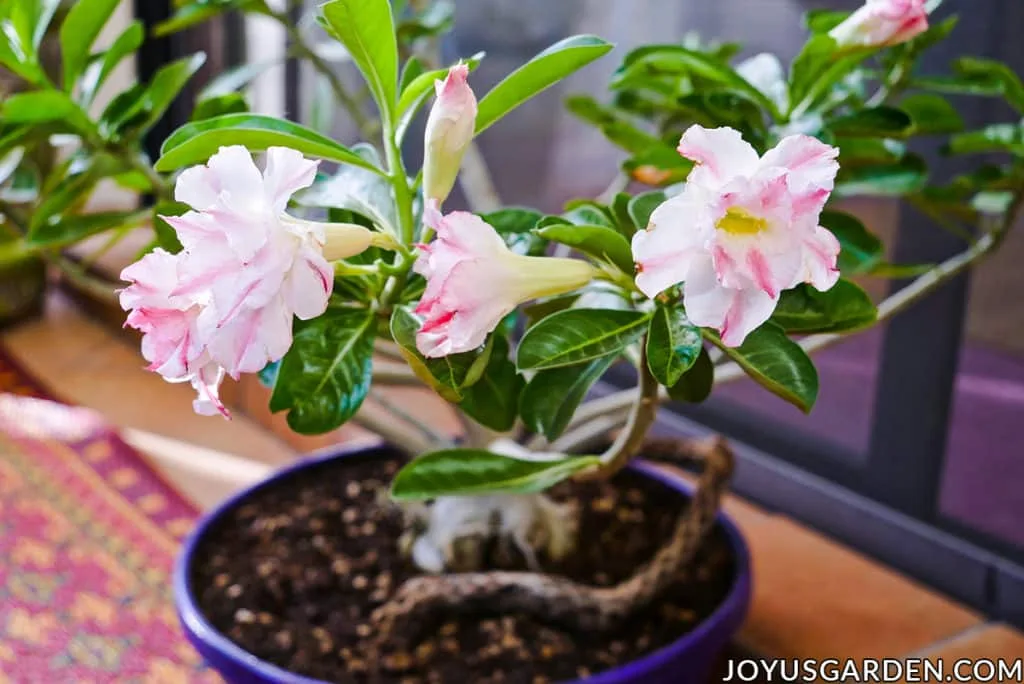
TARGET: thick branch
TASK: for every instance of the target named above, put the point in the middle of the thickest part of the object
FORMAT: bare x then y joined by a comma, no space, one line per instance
384,422
557,599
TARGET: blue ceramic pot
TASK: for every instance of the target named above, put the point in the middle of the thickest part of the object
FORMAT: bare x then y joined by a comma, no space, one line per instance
689,660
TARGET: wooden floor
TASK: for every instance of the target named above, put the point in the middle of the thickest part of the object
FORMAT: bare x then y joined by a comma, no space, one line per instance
812,598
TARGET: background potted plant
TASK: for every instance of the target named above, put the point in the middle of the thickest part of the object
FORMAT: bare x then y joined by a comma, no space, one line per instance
500,556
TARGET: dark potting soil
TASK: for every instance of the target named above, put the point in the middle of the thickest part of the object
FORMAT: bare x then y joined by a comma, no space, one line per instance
294,574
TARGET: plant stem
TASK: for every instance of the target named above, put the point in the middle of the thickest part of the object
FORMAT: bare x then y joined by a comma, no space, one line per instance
435,439
382,421
641,417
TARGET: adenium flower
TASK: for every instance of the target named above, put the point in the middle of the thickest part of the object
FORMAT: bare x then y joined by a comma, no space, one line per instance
449,131
881,23
743,230
474,280
224,305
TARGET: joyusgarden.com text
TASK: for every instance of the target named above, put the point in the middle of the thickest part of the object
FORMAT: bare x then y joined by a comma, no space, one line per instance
874,670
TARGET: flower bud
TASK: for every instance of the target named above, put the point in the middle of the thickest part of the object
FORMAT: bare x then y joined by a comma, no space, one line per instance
449,131
881,23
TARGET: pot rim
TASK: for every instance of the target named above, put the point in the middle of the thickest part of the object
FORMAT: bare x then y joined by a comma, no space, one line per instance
732,608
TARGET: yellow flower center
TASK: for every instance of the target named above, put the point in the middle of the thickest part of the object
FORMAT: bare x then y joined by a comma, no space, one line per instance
740,222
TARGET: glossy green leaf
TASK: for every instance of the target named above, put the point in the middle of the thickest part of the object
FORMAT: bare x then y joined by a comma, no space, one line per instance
468,472
932,114
493,401
552,396
545,307
1004,137
166,236
579,335
642,206
187,17
843,308
97,72
681,61
46,107
82,25
367,30
584,212
449,375
355,189
869,151
67,230
516,226
326,373
777,363
997,74
823,21
887,180
882,122
696,384
673,345
861,250
71,186
230,103
196,142
600,242
541,72
165,86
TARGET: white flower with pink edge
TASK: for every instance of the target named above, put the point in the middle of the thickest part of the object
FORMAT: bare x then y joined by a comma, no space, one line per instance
474,280
224,305
744,229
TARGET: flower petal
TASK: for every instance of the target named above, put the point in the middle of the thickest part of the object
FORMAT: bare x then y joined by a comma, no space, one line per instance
721,154
207,385
811,169
821,254
734,313
287,172
308,286
675,236
240,182
197,187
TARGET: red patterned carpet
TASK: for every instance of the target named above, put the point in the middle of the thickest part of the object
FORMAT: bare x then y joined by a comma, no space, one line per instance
88,535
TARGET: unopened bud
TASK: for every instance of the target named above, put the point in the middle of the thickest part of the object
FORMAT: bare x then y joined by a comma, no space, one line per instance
449,131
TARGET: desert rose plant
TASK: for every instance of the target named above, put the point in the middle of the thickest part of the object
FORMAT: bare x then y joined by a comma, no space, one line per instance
738,262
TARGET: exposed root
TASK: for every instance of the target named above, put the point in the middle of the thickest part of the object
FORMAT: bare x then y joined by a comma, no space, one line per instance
562,601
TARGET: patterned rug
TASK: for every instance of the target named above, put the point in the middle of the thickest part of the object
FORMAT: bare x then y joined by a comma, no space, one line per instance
88,535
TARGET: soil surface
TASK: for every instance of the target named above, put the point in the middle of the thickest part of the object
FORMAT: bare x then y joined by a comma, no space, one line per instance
293,575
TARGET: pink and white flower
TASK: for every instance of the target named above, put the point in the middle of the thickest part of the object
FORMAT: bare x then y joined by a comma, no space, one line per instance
474,280
224,305
744,229
880,23
450,128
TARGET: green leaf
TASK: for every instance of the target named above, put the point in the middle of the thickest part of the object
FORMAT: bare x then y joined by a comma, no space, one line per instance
583,212
932,114
673,345
196,142
186,17
468,472
777,363
449,375
326,374
579,335
900,271
515,225
97,72
658,166
166,236
1004,137
869,151
358,190
46,107
545,307
63,231
642,206
884,180
74,181
882,122
367,30
165,86
678,60
696,384
817,69
552,396
493,401
823,21
861,250
602,243
541,72
843,308
995,74
83,24
219,105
